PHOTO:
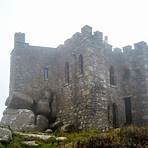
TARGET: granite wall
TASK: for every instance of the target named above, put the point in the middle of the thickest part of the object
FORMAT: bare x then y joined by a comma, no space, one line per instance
83,82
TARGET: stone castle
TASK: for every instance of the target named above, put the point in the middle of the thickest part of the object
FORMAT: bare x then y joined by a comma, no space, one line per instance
82,82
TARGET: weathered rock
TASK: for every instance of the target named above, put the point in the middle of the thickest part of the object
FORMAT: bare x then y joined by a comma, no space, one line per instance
19,101
61,138
5,135
41,123
46,94
48,131
43,107
67,128
56,125
30,143
19,119
28,136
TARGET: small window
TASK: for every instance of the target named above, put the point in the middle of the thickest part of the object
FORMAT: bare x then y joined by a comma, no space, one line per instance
112,76
67,72
46,73
81,64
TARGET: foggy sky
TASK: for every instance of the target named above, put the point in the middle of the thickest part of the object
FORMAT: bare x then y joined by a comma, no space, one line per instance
50,22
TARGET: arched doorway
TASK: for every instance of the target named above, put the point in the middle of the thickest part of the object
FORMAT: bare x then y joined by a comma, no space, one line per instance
115,115
128,110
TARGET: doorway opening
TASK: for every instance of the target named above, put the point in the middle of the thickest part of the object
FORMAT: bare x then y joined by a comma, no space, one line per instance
115,115
128,111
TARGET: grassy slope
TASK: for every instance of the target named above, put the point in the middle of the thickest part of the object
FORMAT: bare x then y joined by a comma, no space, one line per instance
120,137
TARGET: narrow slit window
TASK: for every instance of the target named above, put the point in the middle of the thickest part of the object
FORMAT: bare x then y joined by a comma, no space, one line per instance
46,73
108,113
112,76
81,64
67,72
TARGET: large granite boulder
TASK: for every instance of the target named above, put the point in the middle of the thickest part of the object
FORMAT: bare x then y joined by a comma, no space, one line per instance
5,135
42,107
19,101
19,119
41,123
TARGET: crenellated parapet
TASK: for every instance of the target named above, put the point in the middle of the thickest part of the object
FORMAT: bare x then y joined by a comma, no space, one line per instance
117,50
86,31
140,45
127,49
86,36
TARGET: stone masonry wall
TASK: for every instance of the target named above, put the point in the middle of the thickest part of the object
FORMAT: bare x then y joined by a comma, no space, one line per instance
89,98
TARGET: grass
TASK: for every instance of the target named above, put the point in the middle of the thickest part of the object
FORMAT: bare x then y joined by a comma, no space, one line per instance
131,136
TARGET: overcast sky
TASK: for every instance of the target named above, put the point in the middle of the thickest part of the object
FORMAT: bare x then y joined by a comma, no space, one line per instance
50,22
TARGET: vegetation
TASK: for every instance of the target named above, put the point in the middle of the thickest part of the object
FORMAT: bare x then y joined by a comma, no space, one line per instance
129,137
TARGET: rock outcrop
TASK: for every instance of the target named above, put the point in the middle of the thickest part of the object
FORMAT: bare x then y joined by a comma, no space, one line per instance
41,123
19,119
19,101
5,135
24,113
43,107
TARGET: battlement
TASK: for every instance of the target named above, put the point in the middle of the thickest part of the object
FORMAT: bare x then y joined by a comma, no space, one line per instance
127,49
117,50
85,35
86,30
98,36
140,45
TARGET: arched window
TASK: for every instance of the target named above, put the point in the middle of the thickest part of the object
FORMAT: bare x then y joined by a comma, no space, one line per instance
45,73
112,76
67,72
81,64
126,73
